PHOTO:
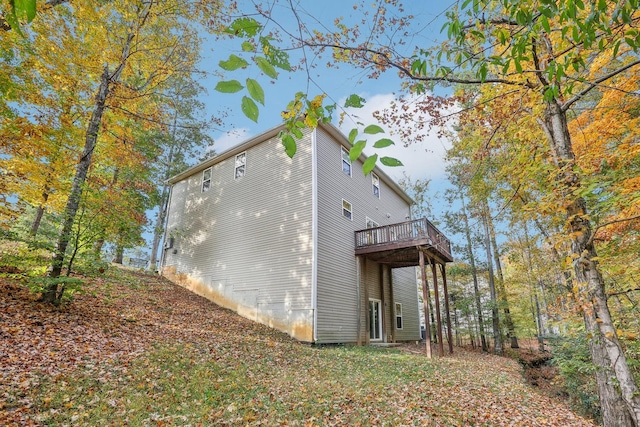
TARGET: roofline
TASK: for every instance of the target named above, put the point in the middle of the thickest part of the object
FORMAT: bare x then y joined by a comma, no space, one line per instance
257,139
342,138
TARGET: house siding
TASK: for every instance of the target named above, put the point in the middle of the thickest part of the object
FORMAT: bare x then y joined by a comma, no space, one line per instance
405,292
247,243
337,288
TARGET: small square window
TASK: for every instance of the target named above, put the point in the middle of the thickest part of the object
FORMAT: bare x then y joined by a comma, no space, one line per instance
346,209
375,181
206,179
240,165
346,162
398,316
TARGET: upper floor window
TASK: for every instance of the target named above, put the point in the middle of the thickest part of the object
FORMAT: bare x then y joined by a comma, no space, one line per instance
206,179
346,161
371,223
240,166
375,181
346,209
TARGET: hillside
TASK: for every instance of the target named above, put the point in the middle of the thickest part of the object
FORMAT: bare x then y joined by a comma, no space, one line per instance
138,350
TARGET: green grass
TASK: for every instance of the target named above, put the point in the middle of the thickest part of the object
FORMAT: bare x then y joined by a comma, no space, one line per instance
179,385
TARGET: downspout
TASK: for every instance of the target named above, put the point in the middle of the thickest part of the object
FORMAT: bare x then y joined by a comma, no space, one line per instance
314,233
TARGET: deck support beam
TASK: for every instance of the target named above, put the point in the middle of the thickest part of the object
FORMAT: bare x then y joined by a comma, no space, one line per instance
436,295
443,270
425,300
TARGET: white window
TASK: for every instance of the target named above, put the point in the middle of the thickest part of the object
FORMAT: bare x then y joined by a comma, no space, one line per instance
371,223
398,315
346,209
346,162
375,181
372,236
240,166
206,179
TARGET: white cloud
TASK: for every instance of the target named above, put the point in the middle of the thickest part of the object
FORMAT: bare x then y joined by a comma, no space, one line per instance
423,159
230,139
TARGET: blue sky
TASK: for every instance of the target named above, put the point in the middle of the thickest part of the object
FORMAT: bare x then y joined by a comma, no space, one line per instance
422,160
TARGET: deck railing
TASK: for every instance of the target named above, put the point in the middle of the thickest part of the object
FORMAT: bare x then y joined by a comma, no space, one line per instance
417,229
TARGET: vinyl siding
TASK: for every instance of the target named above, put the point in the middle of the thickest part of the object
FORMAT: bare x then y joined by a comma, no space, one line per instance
247,243
405,292
337,289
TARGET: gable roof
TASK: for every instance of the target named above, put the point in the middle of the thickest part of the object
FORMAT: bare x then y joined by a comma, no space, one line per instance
257,139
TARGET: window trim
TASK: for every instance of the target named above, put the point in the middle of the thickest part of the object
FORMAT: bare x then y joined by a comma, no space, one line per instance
375,177
346,161
236,167
398,316
210,170
372,236
350,210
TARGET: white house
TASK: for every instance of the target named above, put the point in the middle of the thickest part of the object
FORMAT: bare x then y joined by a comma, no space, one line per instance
310,245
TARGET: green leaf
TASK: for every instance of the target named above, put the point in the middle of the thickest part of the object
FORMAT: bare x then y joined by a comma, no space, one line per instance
390,161
373,129
369,164
352,135
266,67
26,8
545,24
249,108
233,63
290,145
382,143
248,47
13,22
255,90
244,27
297,132
356,150
354,101
230,86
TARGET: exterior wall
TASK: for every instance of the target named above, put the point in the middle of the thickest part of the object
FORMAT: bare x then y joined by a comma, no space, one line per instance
337,281
405,291
247,243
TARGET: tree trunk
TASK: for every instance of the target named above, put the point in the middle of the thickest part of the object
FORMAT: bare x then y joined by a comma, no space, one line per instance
502,293
117,259
82,167
589,282
39,213
158,229
50,294
495,317
476,290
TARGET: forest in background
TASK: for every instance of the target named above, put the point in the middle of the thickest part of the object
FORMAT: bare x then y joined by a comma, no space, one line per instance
545,157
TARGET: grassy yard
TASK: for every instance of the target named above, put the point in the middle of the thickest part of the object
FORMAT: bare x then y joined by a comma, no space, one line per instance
137,350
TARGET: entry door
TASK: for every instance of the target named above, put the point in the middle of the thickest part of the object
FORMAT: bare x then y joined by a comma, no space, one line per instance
375,320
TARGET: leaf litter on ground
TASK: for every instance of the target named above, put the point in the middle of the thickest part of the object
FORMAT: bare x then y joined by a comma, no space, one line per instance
135,349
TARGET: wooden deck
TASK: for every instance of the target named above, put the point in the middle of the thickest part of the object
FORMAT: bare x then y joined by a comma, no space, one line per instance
397,244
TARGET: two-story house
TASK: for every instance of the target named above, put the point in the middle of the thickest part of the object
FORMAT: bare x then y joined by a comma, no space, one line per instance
275,239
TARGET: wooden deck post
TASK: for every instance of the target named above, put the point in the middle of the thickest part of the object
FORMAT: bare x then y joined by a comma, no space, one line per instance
425,300
366,302
393,305
443,271
437,297
359,303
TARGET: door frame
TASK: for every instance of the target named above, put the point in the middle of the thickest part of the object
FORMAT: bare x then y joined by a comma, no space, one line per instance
375,302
